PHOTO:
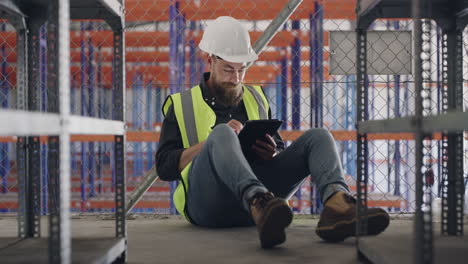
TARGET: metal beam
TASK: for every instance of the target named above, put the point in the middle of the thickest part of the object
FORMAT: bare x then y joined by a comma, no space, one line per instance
274,26
397,125
95,126
448,122
23,123
132,199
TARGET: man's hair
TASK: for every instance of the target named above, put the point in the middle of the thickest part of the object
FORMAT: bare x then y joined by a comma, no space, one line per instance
216,56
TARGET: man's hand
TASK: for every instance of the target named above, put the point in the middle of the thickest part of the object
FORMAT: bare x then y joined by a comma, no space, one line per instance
188,155
266,148
235,125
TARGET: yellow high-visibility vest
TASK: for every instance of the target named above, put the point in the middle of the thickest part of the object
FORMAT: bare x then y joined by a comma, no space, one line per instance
196,119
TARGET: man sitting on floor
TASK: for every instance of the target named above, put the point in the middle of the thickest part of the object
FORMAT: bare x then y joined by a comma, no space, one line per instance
218,186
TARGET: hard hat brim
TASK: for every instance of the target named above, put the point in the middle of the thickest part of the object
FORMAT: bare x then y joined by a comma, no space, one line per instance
236,59
239,59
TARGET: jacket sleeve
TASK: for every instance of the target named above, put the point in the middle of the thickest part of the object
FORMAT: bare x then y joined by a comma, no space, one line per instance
170,148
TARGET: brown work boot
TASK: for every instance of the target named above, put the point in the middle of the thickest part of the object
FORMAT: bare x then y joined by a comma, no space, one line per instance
271,215
339,216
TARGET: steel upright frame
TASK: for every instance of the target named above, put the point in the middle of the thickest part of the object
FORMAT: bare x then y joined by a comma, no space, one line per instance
58,124
452,121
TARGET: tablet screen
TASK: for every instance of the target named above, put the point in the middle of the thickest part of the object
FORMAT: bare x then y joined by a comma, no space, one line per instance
256,129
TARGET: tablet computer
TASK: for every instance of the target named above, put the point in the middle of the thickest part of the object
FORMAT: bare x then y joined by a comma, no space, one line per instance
256,129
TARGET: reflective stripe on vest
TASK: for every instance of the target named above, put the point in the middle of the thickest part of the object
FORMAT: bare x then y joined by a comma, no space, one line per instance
196,119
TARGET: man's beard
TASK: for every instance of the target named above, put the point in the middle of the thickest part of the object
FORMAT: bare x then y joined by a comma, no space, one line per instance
228,94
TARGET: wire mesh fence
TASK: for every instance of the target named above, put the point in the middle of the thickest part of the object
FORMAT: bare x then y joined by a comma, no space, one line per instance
306,71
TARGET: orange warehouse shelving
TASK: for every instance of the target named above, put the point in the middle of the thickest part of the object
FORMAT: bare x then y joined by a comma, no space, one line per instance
163,56
147,10
140,39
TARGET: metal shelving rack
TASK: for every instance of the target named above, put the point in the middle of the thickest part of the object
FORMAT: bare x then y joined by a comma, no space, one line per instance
419,247
58,124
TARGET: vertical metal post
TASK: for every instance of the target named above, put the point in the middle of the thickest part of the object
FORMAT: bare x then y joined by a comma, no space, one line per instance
426,100
345,124
397,155
452,144
389,142
43,67
200,60
119,144
84,112
316,78
418,222
173,67
296,84
34,172
439,109
296,76
318,44
21,167
91,112
278,98
313,69
58,44
33,189
406,144
370,87
22,52
181,49
134,121
101,114
137,123
423,221
192,55
43,108
43,89
23,39
45,180
173,45
5,93
284,92
149,124
362,147
158,104
349,123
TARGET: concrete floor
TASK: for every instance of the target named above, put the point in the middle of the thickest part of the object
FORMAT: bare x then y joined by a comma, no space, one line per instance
170,239
175,241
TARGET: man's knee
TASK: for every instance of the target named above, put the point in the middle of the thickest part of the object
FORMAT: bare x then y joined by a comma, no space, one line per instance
222,134
318,134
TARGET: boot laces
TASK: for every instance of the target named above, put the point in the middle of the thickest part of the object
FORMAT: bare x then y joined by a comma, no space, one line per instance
351,198
260,200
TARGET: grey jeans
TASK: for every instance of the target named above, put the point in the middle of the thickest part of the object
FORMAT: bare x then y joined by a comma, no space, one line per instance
220,175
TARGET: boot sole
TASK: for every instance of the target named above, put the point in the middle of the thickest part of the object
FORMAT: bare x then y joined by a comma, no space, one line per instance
338,232
276,220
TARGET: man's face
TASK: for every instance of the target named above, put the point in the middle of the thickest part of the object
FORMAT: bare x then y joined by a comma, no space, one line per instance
226,80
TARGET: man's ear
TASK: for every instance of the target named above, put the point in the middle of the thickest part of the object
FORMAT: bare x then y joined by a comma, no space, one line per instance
209,59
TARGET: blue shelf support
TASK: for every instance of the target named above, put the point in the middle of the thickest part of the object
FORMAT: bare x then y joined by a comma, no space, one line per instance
316,66
84,112
91,111
192,57
5,94
296,76
284,92
149,124
397,155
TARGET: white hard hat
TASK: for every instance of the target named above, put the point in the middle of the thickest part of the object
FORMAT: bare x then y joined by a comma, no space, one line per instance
226,38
